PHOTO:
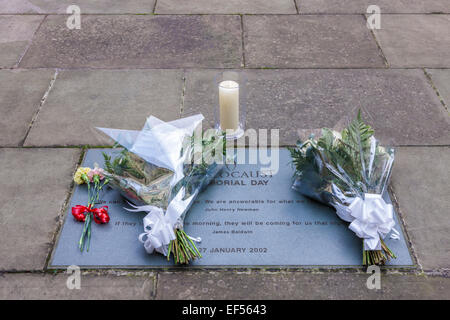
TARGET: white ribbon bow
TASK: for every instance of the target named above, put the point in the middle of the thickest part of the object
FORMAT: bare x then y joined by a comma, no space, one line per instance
371,218
159,227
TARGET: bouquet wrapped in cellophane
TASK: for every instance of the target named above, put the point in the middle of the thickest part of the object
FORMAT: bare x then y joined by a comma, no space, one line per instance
161,170
350,171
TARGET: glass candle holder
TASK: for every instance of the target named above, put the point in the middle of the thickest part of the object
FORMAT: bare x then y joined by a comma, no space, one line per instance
230,109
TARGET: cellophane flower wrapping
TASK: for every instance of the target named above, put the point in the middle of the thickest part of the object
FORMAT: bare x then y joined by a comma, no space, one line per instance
161,170
350,171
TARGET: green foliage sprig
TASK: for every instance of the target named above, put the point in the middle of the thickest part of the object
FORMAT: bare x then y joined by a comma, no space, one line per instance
341,155
122,163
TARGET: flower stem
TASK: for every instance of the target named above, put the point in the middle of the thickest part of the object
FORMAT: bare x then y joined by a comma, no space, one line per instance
168,253
182,248
83,233
89,216
378,257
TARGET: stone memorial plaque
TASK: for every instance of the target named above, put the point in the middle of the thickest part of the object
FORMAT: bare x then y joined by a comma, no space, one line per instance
245,218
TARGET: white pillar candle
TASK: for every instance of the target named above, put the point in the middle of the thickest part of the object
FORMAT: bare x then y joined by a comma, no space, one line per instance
229,105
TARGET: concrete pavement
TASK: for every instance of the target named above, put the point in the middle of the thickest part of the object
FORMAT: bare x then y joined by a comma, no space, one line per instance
309,64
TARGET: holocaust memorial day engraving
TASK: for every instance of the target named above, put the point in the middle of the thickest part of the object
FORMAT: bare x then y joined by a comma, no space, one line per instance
246,217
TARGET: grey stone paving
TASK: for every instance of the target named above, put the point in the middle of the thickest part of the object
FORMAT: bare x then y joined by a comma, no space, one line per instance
400,104
297,285
225,285
420,182
341,67
20,94
360,6
46,286
35,184
16,33
230,6
441,79
138,41
81,100
86,6
425,42
321,41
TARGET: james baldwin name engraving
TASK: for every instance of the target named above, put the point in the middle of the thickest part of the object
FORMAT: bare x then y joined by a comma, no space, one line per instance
246,217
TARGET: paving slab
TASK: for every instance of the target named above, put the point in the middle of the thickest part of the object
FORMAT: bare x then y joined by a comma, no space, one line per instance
255,222
81,100
410,41
138,41
400,104
15,36
96,287
230,6
301,41
297,285
35,184
441,80
360,6
86,6
20,94
420,182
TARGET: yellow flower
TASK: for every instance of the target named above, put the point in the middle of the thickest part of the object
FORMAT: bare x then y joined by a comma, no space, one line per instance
78,177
